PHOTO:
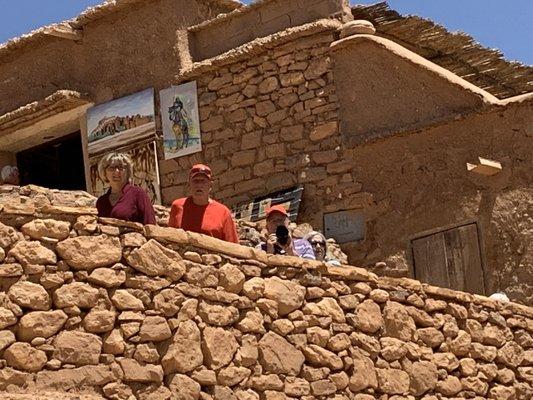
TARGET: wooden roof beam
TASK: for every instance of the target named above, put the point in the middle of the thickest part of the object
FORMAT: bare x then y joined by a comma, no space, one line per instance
65,31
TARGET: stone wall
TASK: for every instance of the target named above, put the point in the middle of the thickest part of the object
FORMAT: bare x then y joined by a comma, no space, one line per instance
268,121
115,57
260,19
270,114
122,310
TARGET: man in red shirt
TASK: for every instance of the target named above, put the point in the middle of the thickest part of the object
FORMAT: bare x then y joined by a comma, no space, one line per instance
199,213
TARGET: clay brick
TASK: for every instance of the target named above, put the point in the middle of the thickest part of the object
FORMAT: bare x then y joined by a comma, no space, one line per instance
277,116
323,131
237,116
312,175
291,133
264,108
313,103
212,124
279,181
292,79
251,140
324,157
242,158
263,168
288,100
275,150
339,167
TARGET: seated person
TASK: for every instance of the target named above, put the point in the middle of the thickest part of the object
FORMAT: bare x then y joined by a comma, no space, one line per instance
279,240
320,247
10,175
123,200
199,213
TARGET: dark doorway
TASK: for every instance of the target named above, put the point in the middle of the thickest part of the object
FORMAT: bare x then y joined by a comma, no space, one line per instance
56,165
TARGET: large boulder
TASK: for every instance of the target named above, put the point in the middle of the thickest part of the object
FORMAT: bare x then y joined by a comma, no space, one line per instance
99,321
77,294
90,252
124,301
29,295
135,372
321,357
393,381
7,338
218,315
278,356
87,376
185,353
154,329
219,346
7,318
12,377
398,322
107,277
8,236
46,228
154,259
31,253
364,373
423,377
287,294
40,324
184,388
78,348
24,357
231,278
369,317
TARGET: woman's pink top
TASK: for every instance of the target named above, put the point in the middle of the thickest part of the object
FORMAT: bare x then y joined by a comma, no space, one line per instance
133,205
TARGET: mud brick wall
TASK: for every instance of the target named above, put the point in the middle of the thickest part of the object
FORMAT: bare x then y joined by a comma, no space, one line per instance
260,19
125,311
269,121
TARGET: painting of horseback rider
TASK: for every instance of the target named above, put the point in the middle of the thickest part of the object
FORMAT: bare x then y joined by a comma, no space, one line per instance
180,124
180,120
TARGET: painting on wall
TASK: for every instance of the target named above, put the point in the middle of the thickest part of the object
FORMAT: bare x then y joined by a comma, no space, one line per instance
120,122
180,120
145,170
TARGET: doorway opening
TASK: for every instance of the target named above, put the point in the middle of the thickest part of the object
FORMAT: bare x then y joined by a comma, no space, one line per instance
450,258
57,164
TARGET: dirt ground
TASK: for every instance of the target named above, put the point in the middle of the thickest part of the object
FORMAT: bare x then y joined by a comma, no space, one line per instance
49,396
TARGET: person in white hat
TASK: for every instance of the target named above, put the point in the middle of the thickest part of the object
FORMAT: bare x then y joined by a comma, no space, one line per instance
10,175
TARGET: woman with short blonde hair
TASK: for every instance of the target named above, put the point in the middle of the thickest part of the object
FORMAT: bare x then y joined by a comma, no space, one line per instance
115,158
123,200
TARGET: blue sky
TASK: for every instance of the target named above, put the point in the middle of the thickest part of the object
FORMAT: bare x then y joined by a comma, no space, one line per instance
503,24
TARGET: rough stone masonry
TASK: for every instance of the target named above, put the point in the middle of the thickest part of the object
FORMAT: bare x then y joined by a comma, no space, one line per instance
123,311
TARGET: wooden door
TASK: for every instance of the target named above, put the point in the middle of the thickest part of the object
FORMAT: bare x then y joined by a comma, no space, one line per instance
451,259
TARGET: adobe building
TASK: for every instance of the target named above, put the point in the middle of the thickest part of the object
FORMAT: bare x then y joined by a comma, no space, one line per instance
382,119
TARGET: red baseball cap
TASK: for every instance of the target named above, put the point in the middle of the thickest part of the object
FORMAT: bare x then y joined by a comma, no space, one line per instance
277,208
200,169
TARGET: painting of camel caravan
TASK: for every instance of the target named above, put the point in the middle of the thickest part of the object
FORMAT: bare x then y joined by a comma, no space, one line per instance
180,120
121,122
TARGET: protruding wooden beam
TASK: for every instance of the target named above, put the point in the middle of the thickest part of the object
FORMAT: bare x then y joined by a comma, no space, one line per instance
485,167
65,31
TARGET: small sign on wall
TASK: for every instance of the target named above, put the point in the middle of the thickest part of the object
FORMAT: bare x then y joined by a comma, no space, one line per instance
345,226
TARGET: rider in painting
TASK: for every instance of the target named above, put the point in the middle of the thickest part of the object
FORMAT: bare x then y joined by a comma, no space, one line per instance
180,124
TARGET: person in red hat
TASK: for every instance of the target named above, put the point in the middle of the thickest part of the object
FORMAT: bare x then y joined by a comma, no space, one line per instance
199,213
279,240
